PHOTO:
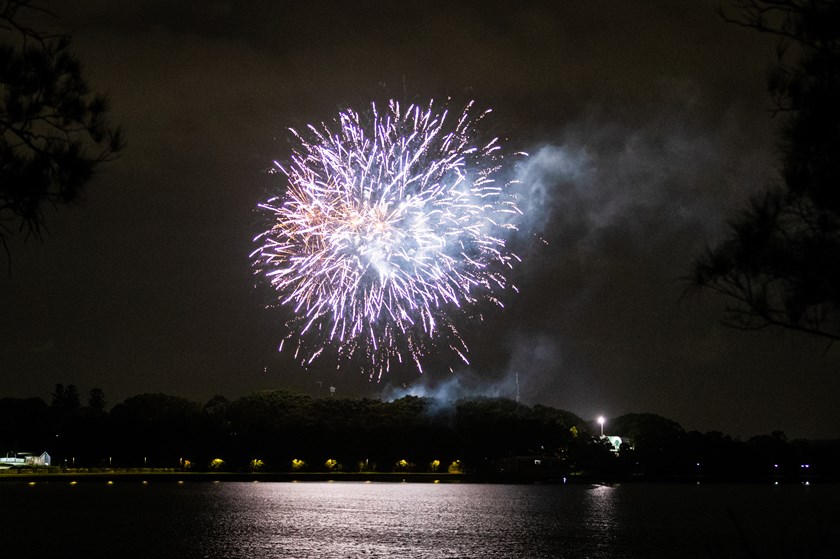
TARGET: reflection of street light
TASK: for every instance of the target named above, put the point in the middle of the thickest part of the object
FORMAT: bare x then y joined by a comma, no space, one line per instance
601,423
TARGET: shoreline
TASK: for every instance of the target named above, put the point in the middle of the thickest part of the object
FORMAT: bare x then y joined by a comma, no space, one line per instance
170,475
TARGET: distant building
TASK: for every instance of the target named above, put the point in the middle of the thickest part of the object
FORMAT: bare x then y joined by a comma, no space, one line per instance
616,442
23,459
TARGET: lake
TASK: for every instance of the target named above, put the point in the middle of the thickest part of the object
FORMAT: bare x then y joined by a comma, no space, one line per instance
417,520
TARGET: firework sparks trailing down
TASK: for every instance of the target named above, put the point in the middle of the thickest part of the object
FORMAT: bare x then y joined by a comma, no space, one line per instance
392,224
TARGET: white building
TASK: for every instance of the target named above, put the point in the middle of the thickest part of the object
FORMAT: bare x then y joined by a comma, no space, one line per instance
615,442
21,459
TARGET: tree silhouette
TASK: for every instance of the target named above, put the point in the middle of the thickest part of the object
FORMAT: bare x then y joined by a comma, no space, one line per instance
66,400
96,401
53,129
780,263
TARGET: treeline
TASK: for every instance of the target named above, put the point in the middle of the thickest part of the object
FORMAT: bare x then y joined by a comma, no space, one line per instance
284,431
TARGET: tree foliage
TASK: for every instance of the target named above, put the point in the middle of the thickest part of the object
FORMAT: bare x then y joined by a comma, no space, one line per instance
282,431
54,130
65,400
96,401
647,430
780,263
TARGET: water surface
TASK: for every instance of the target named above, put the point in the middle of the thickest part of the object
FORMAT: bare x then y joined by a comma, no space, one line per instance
438,521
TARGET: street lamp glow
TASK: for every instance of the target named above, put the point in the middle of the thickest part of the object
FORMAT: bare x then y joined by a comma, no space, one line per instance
601,421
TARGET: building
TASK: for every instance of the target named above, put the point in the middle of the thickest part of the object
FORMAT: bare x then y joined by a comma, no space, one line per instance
616,442
24,459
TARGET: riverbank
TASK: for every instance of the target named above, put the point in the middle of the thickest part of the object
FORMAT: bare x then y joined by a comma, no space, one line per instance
140,475
150,474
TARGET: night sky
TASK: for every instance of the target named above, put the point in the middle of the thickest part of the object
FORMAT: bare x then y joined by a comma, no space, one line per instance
647,125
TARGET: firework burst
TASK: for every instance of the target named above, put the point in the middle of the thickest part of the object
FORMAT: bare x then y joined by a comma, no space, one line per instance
391,226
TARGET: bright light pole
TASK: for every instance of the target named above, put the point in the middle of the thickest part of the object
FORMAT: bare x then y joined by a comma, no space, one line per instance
601,423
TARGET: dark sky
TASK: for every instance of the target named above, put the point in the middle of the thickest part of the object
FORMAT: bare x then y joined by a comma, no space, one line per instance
647,123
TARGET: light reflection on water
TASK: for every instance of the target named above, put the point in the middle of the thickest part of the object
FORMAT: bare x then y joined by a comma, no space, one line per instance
600,514
436,521
405,520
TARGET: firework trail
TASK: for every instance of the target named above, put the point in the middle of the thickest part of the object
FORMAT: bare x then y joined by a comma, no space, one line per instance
392,225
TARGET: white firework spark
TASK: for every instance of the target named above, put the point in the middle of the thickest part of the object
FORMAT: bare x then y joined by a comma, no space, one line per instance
391,225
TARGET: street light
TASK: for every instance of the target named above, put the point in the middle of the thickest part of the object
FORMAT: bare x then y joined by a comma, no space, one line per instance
601,423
